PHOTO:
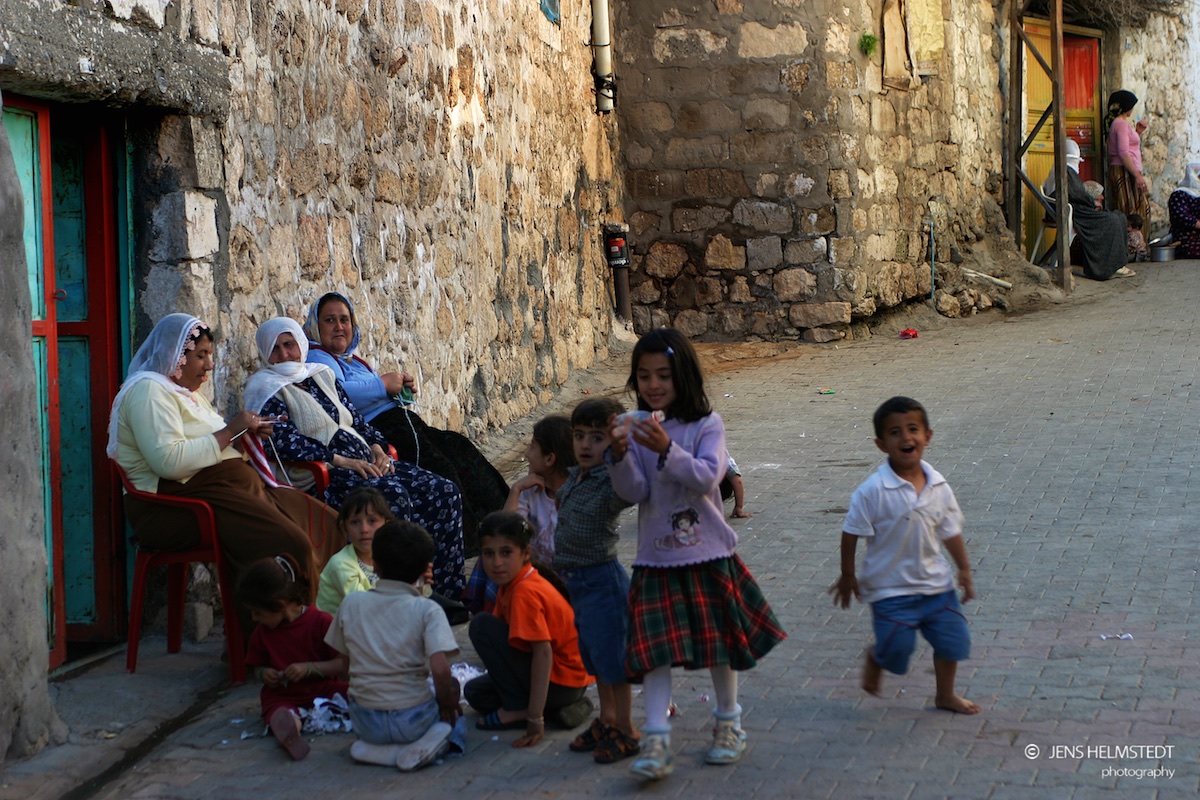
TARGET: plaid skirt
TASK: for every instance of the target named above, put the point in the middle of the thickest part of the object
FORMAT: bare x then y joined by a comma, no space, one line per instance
698,616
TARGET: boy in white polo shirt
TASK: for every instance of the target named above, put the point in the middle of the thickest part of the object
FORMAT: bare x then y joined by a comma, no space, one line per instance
906,511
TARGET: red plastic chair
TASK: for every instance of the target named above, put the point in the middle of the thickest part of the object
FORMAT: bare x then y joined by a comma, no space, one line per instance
177,563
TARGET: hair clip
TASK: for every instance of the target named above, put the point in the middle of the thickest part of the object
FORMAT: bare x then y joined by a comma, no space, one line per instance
669,351
286,567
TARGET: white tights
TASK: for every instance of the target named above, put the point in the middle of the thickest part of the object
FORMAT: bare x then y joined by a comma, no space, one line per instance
656,693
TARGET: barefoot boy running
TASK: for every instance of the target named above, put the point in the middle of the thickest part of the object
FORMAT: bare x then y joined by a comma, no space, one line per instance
903,510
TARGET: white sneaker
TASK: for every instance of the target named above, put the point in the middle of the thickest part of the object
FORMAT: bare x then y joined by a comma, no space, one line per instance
383,755
424,750
654,762
728,743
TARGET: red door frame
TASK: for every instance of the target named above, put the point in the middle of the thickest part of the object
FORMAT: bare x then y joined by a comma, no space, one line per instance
47,328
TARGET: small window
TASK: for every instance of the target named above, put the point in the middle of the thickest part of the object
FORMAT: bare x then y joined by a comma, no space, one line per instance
551,9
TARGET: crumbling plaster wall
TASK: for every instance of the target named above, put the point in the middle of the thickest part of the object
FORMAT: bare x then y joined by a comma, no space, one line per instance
443,165
776,187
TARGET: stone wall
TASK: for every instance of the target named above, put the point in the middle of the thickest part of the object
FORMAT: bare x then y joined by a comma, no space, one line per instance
776,188
27,719
440,163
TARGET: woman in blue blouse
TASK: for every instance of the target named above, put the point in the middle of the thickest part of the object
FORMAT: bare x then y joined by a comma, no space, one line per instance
385,400
322,425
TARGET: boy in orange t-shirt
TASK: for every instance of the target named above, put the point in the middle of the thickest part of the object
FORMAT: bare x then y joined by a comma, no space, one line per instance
529,646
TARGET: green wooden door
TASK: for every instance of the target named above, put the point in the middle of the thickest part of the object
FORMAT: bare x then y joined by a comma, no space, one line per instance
68,167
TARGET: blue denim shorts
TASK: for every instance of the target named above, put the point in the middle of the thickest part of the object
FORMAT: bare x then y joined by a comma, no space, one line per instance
600,599
940,619
393,726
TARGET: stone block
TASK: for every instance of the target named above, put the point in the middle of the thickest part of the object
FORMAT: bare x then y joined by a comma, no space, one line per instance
947,304
822,335
794,285
312,242
639,155
730,321
863,309
642,221
678,83
762,147
184,227
709,291
712,184
673,45
751,79
812,151
209,159
685,220
654,184
842,249
739,290
723,254
765,113
665,260
700,152
711,115
763,216
764,324
652,116
800,185
795,76
805,251
197,621
767,185
729,7
815,315
646,293
755,40
764,253
841,75
691,323
819,222
839,184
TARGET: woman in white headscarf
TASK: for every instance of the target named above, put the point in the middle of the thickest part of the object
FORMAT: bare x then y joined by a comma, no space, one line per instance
1100,244
1184,207
322,425
169,440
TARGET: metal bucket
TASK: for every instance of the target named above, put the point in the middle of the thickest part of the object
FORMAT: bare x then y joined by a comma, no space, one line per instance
1162,252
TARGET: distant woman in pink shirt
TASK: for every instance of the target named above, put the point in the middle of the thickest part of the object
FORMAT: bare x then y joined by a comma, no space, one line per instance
1127,186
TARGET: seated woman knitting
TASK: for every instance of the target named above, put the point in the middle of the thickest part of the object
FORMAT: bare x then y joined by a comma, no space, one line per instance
322,425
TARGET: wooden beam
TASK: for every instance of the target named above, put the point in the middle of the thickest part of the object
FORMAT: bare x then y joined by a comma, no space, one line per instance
1057,78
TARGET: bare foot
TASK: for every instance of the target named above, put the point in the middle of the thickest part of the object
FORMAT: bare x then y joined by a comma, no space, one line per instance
872,675
959,705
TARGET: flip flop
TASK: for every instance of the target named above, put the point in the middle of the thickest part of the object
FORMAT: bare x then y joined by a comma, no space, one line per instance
491,722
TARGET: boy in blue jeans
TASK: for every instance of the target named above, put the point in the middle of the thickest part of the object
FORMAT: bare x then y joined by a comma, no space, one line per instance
904,510
585,555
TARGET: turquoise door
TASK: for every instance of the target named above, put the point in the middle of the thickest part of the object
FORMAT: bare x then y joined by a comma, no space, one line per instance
69,172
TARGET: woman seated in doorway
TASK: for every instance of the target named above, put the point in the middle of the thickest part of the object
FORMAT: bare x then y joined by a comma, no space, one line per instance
1184,206
1100,245
323,425
168,439
385,399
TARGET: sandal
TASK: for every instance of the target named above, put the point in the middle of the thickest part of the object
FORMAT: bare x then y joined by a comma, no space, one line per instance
616,747
590,739
491,722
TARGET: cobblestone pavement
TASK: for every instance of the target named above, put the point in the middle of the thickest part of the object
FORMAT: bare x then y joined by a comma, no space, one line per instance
1069,438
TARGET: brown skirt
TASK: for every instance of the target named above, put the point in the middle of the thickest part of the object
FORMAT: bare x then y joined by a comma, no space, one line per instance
253,522
1126,197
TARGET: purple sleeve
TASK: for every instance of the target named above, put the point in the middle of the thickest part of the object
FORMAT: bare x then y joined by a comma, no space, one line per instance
628,479
701,469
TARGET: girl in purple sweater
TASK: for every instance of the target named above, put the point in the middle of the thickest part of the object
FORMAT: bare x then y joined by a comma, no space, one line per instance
692,602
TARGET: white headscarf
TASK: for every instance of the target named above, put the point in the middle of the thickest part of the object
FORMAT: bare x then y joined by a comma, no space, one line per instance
160,358
1073,158
1190,184
265,383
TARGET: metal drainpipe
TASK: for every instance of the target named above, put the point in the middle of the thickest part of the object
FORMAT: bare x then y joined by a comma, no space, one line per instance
602,70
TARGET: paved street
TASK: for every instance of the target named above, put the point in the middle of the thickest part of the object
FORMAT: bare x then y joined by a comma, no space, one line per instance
1069,436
